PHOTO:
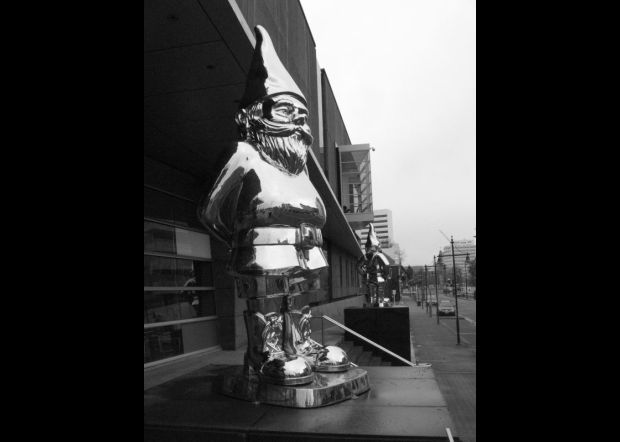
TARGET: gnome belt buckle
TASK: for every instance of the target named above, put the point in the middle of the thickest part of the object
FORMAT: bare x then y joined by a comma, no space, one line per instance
310,236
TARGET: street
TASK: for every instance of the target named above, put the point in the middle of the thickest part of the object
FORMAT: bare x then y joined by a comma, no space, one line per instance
454,364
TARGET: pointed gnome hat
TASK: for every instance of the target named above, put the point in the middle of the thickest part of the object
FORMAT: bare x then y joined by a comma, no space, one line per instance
267,75
372,243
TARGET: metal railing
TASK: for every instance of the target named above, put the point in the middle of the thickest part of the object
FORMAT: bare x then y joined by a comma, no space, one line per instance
353,332
449,434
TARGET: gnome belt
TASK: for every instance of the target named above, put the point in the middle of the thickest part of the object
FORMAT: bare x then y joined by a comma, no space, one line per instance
305,236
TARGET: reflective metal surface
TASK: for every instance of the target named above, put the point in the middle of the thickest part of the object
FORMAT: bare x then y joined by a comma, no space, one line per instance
263,205
325,389
331,359
323,359
265,208
374,267
287,370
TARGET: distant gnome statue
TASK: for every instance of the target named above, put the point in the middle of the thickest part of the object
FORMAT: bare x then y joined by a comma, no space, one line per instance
264,207
373,267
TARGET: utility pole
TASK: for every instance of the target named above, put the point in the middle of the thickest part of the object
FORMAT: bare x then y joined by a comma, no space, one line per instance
426,287
456,301
465,264
429,304
436,295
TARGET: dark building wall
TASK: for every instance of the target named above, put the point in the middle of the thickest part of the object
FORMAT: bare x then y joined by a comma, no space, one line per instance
164,177
334,132
286,23
344,279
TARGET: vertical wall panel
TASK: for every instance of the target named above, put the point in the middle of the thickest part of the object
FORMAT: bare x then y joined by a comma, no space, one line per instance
334,132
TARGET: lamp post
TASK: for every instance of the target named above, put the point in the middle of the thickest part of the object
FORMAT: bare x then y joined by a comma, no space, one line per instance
454,290
456,300
466,264
429,307
436,294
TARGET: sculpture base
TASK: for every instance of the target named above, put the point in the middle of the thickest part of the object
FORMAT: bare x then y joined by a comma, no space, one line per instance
325,389
387,326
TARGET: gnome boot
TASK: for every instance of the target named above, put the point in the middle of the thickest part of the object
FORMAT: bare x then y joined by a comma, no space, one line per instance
284,366
322,358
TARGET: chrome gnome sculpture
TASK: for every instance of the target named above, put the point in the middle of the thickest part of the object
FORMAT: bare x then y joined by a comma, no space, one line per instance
373,268
264,207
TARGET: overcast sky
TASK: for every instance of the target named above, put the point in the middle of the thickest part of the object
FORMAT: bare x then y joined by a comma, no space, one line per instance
404,76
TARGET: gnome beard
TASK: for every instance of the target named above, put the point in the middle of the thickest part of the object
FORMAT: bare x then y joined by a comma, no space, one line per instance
283,145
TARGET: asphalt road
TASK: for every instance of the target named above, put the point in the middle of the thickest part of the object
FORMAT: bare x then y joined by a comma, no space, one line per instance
467,319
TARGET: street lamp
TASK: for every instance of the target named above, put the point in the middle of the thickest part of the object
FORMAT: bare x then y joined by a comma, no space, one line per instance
436,294
466,264
429,306
454,290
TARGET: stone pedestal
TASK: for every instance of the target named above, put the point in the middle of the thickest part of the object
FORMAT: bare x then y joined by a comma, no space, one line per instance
387,326
325,389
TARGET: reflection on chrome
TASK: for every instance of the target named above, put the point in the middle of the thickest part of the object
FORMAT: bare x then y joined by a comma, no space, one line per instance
373,267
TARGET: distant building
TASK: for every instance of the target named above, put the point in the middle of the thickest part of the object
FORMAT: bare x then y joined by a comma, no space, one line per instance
461,247
382,220
355,183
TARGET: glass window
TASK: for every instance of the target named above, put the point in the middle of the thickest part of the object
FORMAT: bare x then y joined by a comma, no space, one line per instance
185,275
160,271
162,342
158,237
175,305
189,243
161,307
355,177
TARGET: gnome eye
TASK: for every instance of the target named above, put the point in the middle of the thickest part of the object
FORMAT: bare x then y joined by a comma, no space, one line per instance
286,109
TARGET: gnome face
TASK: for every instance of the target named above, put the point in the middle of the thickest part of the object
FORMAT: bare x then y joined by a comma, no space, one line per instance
278,125
274,112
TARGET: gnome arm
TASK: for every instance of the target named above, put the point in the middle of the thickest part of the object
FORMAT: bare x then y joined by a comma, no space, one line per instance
217,212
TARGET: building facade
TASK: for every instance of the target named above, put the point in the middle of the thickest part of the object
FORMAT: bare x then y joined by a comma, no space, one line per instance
196,57
461,248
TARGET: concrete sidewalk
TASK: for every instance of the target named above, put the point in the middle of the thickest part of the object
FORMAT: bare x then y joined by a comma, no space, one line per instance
454,366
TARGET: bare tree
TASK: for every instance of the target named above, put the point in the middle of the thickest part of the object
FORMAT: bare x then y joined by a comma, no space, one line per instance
400,255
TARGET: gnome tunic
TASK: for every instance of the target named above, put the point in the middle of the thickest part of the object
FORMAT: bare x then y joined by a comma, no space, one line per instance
271,218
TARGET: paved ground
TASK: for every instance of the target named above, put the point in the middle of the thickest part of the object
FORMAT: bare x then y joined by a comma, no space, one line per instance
454,365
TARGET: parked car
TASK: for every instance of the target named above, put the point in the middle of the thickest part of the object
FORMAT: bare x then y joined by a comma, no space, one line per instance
445,308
